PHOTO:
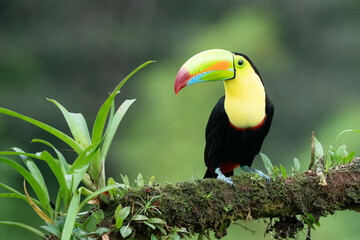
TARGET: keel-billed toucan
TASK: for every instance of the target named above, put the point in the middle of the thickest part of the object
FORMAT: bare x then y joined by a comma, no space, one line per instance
240,120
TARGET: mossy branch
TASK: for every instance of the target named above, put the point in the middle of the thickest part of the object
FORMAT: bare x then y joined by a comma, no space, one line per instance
210,204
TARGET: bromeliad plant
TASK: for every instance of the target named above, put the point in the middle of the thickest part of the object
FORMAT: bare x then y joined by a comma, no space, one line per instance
88,167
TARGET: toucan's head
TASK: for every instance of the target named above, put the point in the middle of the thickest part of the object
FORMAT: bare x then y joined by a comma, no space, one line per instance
211,65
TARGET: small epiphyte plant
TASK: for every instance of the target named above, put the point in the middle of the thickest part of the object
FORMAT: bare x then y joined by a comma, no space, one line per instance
334,156
274,171
63,218
124,219
322,161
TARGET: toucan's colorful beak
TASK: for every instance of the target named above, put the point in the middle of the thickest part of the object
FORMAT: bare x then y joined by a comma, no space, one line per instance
210,65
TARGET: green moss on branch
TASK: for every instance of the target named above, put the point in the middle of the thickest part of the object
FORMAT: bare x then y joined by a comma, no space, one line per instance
211,204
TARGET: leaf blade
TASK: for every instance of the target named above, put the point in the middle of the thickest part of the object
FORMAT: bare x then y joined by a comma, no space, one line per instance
25,226
18,194
44,200
62,136
76,123
110,132
71,216
283,171
37,210
85,157
297,165
98,192
267,163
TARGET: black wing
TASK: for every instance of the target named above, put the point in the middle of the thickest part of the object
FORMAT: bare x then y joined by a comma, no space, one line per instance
215,131
269,110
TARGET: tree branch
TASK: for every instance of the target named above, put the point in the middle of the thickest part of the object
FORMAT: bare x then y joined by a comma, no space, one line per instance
211,204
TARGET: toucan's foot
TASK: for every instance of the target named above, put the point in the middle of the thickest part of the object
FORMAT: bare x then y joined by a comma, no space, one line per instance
222,177
260,173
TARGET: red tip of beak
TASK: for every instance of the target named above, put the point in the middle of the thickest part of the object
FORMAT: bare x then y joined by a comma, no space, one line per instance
181,80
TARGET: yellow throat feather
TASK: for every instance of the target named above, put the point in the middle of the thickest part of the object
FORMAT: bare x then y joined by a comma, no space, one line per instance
245,98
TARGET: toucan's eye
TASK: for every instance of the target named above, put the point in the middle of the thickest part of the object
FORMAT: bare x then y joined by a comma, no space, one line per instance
240,63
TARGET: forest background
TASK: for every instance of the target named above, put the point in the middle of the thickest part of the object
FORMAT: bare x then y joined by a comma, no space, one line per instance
308,54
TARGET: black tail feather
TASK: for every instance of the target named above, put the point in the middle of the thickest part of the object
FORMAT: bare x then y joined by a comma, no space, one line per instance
211,174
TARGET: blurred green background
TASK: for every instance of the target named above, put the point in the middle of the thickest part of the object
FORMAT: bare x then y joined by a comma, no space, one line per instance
308,53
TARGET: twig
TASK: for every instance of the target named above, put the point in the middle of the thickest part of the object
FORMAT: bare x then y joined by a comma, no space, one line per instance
244,227
312,150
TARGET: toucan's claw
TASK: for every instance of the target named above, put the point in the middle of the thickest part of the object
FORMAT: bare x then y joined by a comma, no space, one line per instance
222,177
260,173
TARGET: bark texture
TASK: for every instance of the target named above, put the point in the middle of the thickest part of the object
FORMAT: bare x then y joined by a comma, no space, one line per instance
211,204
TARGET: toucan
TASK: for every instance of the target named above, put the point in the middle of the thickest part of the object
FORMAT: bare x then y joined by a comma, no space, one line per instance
240,120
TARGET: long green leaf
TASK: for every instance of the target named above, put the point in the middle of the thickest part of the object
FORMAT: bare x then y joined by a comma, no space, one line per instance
53,164
63,164
104,110
76,123
131,74
68,140
71,216
27,227
112,112
8,153
85,157
15,194
58,202
345,131
113,126
97,133
77,176
43,198
60,177
33,169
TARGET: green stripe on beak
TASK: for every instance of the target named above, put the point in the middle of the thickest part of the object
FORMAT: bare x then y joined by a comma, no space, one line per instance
210,65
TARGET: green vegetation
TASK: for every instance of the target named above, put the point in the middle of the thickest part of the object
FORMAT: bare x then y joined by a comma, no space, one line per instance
324,161
71,51
62,219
